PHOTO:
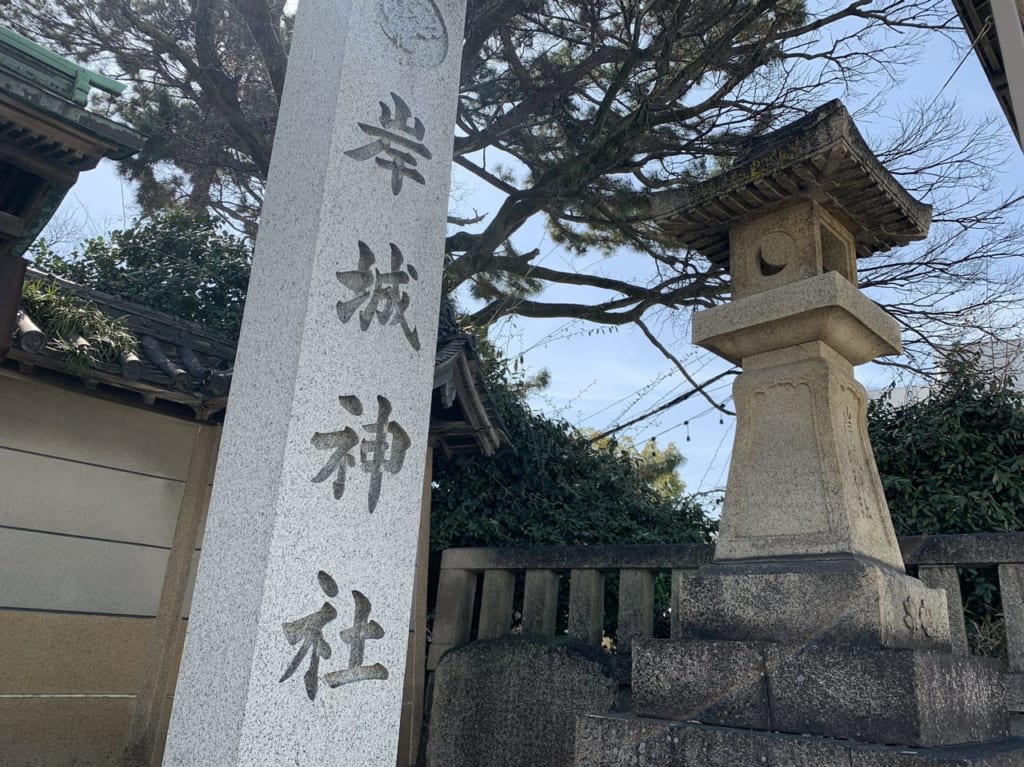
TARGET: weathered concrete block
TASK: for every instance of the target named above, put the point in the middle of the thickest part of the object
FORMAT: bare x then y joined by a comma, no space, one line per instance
1005,753
713,682
880,695
908,697
513,702
842,599
623,741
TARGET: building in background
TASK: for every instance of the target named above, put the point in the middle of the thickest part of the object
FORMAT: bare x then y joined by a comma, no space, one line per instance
997,360
996,29
47,137
105,476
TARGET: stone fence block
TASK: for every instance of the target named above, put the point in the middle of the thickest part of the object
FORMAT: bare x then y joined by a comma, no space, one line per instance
514,702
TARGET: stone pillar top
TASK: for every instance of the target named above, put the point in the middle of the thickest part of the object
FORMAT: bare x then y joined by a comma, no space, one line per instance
820,158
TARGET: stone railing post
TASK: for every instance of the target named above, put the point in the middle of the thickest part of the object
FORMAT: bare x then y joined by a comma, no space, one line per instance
1011,587
586,606
453,621
636,607
496,604
946,577
540,602
679,579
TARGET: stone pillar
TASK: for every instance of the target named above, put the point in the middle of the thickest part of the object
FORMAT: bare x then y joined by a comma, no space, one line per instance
586,606
453,622
297,636
947,578
636,607
540,602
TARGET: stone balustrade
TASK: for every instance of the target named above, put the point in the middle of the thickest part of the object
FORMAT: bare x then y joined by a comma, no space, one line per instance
476,591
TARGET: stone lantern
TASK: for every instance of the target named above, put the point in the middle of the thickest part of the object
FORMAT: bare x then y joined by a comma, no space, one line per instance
804,510
804,642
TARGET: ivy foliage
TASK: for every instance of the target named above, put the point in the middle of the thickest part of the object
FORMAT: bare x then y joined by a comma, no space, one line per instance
177,261
953,462
66,319
556,487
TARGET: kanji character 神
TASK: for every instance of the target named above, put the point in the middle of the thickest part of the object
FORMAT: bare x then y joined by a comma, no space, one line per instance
376,454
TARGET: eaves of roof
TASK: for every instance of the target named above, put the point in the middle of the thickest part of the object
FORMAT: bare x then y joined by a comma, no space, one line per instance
178,361
50,71
185,368
464,418
978,19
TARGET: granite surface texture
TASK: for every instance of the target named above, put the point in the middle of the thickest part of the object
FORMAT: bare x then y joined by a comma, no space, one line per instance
917,698
803,479
296,644
823,307
713,682
787,245
898,696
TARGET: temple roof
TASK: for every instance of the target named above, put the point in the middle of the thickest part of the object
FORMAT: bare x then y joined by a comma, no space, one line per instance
184,368
47,135
821,156
177,362
51,72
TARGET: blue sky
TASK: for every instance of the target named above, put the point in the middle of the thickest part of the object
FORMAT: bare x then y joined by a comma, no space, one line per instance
600,376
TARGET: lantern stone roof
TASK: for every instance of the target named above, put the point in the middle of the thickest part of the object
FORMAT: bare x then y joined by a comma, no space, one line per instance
821,156
184,368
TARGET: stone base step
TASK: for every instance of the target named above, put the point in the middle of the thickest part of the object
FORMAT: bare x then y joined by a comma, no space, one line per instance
628,741
840,600
917,698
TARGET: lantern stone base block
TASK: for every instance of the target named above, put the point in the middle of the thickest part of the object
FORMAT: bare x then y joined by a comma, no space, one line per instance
840,599
625,741
803,480
914,698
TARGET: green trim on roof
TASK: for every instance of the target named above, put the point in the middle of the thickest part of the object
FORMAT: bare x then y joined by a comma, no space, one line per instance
123,141
50,71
